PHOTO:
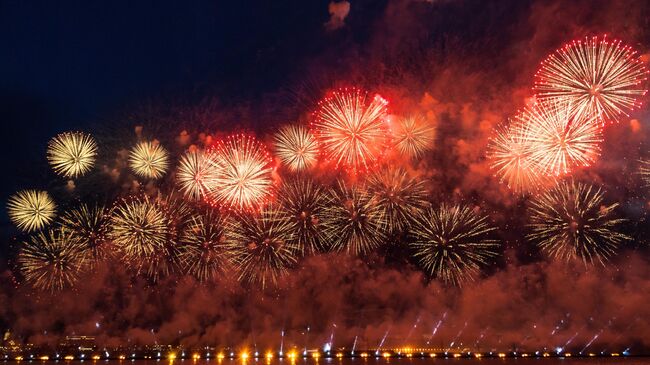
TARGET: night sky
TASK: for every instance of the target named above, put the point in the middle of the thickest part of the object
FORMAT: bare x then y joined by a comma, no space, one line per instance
217,66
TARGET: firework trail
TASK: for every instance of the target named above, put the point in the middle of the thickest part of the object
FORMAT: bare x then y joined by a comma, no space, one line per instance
91,226
31,210
571,221
413,136
351,130
599,77
72,154
452,242
296,147
196,174
149,160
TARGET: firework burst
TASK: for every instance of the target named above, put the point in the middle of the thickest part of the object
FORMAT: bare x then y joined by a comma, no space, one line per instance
571,221
599,77
52,261
353,222
266,245
149,160
413,136
305,203
351,129
72,154
244,173
452,242
296,147
196,174
398,198
31,210
91,226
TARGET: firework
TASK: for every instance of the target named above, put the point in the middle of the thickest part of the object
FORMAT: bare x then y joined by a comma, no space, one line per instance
510,157
644,171
560,141
398,197
53,260
351,129
266,245
244,176
571,220
597,76
452,242
353,223
31,210
412,136
206,249
196,174
72,154
305,202
149,160
91,226
296,147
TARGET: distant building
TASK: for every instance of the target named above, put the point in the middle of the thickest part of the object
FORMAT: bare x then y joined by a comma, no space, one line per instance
78,344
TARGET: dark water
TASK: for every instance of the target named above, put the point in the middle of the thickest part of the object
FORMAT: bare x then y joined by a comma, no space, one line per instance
369,361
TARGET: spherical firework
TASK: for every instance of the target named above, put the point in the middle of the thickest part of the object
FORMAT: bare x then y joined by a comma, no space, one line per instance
149,160
510,157
560,141
72,154
353,222
398,198
571,221
53,260
296,147
452,242
413,136
305,203
644,171
196,174
266,245
244,177
31,210
352,130
91,226
206,249
597,76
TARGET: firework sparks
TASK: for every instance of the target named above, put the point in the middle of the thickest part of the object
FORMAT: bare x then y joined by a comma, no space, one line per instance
413,136
72,154
296,147
196,174
353,222
352,130
599,77
560,141
570,221
644,171
305,202
266,245
31,210
53,260
149,160
205,249
244,177
398,197
452,242
91,226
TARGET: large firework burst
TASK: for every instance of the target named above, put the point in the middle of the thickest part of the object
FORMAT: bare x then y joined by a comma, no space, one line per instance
351,129
244,178
296,147
560,141
353,222
266,245
571,221
72,154
196,174
91,226
305,203
52,260
149,160
599,77
452,242
31,210
413,136
398,197
205,248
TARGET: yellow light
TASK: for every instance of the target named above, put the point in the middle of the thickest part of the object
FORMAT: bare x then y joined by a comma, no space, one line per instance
68,357
615,354
18,358
386,354
524,355
568,354
339,354
364,354
122,357
592,354
546,354
409,355
292,355
432,355
171,356
457,355
244,355
269,355
478,356
501,354
315,355
44,358
95,357
194,356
